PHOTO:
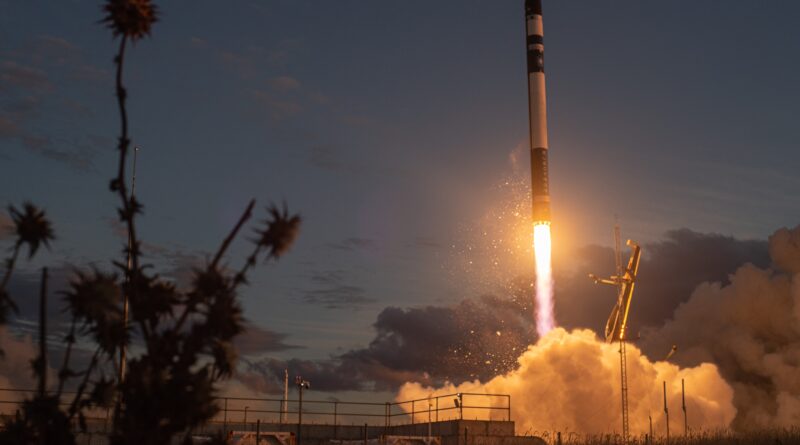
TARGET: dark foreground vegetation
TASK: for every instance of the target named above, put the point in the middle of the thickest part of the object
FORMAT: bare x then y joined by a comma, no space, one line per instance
765,437
183,337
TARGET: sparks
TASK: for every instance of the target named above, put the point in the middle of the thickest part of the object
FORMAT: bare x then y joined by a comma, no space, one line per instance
545,320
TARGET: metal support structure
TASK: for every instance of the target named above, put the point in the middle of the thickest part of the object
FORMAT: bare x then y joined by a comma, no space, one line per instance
683,406
617,324
623,376
225,418
666,410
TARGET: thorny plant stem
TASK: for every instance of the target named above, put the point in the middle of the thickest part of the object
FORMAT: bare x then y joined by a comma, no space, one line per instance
62,375
248,212
246,215
73,408
42,362
10,266
129,208
251,261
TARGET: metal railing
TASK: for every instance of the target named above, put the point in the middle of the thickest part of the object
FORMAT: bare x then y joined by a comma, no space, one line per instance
244,411
468,406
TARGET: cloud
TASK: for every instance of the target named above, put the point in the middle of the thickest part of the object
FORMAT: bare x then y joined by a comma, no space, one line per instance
284,83
26,79
352,244
670,270
333,292
749,325
567,379
15,75
257,340
474,339
276,107
480,338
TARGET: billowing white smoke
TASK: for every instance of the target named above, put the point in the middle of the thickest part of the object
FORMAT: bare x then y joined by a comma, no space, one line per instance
751,329
569,381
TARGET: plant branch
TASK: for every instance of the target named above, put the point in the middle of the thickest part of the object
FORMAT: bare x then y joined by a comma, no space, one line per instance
10,266
73,408
246,215
42,362
248,212
62,374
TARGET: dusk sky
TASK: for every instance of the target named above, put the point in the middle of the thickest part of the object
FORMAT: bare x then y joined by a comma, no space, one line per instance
398,130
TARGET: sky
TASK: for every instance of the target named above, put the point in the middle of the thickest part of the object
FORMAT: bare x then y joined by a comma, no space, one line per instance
398,131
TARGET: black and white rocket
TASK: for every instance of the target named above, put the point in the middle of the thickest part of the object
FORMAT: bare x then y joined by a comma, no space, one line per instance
537,108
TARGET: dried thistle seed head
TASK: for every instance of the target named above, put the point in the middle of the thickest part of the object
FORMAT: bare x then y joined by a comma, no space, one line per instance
130,18
32,227
280,232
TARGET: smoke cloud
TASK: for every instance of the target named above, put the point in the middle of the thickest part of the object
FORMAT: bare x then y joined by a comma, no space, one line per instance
570,381
749,327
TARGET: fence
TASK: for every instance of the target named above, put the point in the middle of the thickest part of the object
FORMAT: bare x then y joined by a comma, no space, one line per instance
242,411
473,406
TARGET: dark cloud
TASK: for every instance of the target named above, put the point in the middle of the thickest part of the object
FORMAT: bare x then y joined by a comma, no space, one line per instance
326,157
353,243
332,291
28,87
474,339
481,338
748,324
670,270
16,75
257,340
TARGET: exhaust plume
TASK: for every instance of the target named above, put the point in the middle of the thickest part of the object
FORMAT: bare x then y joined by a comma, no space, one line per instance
749,327
569,381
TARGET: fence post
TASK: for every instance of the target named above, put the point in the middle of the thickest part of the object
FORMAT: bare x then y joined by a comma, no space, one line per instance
413,411
225,418
258,431
335,413
437,408
365,434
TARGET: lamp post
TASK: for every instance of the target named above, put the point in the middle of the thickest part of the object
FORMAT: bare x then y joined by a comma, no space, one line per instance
301,384
430,406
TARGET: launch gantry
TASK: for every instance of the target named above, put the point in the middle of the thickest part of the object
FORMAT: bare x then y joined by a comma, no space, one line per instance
617,324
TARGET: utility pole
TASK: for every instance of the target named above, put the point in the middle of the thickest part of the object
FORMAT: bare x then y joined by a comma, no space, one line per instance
683,406
123,349
301,384
285,401
666,410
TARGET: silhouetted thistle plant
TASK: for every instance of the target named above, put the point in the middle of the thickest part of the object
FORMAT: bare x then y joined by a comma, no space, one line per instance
185,337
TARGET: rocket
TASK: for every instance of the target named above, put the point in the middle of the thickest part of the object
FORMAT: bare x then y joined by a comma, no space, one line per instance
537,112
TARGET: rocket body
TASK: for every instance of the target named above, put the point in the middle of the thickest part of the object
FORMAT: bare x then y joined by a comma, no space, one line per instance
537,111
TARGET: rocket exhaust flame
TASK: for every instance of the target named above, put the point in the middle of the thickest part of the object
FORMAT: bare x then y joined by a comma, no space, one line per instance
545,320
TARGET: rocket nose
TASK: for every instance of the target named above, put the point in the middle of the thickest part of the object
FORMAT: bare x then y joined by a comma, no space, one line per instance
533,7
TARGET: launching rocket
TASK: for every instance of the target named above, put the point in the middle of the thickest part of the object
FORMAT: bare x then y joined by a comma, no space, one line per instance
537,109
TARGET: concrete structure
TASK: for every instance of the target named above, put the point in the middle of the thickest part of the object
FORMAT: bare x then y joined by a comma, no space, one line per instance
451,432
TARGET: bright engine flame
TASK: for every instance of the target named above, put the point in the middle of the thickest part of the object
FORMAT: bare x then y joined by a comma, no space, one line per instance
545,320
